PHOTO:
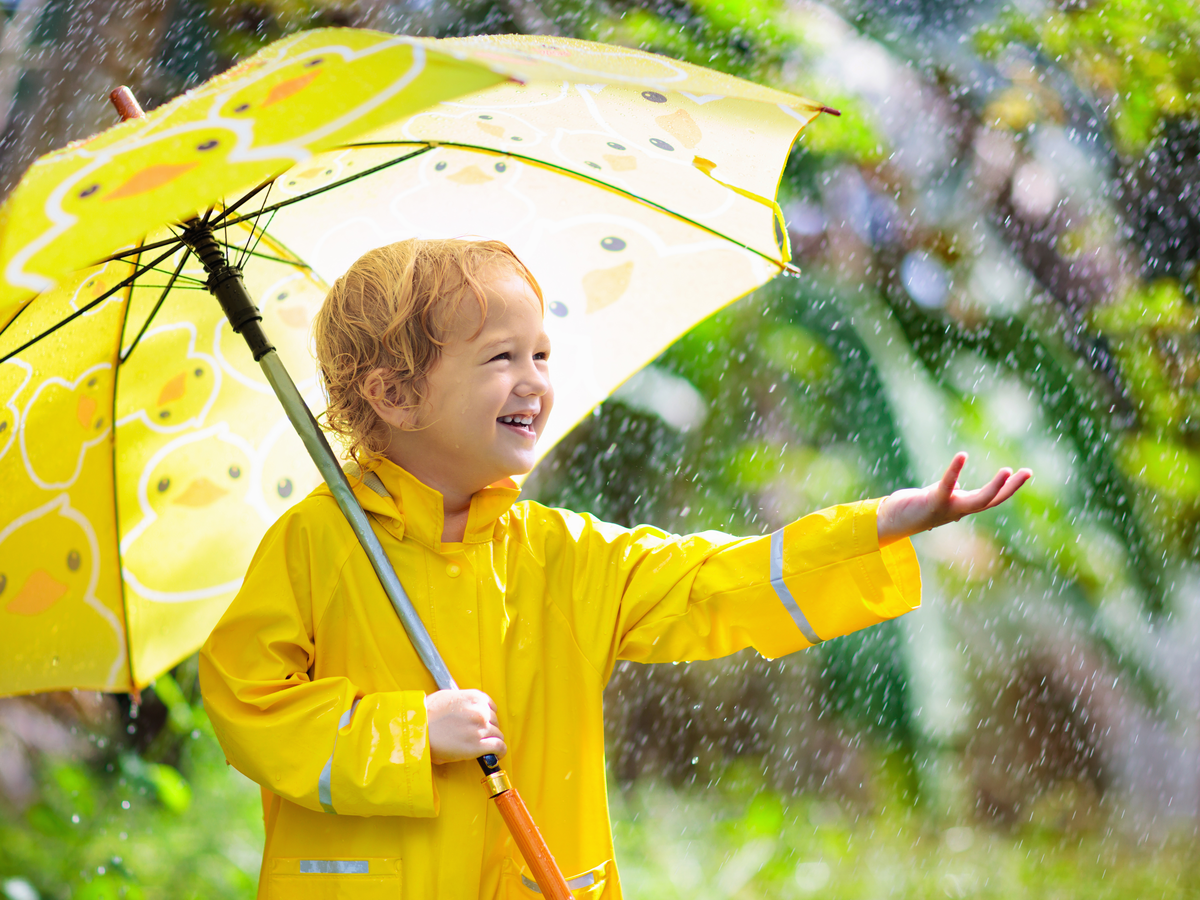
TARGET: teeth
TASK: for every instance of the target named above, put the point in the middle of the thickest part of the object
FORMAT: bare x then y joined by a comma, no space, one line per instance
517,420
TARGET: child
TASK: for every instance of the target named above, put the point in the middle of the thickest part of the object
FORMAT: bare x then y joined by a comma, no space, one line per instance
437,372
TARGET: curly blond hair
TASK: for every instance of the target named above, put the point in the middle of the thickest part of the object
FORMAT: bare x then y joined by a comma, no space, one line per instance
394,310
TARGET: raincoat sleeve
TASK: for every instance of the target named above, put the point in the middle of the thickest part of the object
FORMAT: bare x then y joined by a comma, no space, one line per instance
647,596
319,743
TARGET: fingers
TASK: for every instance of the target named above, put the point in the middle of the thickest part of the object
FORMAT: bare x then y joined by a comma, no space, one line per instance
980,499
950,480
1011,485
463,725
1003,485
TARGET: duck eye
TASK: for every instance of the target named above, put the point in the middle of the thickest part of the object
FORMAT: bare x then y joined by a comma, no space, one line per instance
199,373
73,561
163,484
3,582
235,471
284,488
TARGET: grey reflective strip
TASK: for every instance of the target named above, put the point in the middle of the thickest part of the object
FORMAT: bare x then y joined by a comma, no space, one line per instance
324,797
334,866
371,480
585,880
789,602
374,482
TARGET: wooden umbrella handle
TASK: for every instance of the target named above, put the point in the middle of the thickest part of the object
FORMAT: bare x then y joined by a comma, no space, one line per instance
127,106
524,831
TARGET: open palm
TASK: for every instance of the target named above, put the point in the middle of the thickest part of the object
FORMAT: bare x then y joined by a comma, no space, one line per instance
914,510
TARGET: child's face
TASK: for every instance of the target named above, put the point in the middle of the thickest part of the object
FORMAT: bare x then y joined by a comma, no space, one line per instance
488,397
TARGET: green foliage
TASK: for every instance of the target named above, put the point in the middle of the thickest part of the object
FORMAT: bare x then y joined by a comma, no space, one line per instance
128,824
1139,58
739,838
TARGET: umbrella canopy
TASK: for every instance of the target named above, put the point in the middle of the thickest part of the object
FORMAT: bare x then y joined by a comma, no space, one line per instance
141,449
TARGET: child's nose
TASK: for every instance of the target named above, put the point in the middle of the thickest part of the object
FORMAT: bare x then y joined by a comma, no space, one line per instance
534,383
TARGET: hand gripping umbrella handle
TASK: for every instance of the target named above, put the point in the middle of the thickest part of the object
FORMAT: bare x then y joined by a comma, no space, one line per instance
225,282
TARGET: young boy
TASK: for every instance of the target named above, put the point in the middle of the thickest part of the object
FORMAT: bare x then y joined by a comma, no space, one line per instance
437,372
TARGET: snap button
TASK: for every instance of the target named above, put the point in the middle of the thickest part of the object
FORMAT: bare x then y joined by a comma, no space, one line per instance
452,570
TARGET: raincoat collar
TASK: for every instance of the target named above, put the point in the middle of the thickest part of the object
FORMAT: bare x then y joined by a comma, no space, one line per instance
415,510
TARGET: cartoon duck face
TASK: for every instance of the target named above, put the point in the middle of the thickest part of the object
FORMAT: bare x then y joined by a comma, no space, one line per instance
280,100
460,192
288,473
166,382
605,253
45,561
61,421
315,173
123,176
197,529
490,126
53,625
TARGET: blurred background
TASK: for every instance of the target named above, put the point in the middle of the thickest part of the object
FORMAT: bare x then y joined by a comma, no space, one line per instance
999,242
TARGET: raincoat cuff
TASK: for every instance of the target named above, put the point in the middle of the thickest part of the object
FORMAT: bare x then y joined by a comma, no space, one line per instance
381,763
832,578
890,576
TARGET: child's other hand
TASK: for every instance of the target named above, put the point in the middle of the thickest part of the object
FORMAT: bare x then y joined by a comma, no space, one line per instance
462,725
915,510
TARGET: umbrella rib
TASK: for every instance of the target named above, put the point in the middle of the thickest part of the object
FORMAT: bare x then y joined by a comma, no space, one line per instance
329,187
249,251
79,312
137,250
603,184
246,199
117,503
279,259
256,233
198,282
157,306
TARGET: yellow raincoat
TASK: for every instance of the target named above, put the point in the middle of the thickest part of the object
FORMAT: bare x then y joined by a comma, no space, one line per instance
317,695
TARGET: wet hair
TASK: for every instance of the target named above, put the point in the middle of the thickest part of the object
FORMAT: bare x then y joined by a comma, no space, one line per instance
395,309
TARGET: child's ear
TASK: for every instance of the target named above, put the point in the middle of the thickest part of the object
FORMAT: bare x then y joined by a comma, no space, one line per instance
390,400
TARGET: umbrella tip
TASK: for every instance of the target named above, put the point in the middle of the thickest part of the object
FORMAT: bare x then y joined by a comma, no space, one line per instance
127,106
830,110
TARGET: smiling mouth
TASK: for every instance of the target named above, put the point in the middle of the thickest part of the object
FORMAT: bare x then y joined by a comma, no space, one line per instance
522,425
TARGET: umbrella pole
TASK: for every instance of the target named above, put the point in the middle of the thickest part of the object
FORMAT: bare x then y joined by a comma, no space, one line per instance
225,283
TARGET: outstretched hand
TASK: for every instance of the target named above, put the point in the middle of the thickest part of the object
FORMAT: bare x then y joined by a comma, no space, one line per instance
915,510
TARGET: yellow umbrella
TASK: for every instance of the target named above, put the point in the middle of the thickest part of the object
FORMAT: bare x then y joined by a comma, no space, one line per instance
141,450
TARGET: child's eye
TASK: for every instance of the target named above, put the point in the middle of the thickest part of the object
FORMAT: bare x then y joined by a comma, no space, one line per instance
504,355
543,356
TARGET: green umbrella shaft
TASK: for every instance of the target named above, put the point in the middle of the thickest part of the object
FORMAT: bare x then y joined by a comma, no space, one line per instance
225,282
